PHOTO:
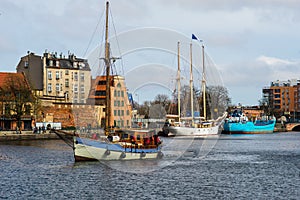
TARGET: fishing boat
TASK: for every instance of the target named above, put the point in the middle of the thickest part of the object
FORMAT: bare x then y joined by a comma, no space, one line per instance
176,125
238,123
115,143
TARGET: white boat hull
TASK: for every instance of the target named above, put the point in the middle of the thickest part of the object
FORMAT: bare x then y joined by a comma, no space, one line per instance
190,131
106,151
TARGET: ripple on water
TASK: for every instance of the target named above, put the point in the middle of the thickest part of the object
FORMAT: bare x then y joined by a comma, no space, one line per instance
261,167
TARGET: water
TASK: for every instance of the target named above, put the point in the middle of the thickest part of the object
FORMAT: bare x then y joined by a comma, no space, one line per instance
237,167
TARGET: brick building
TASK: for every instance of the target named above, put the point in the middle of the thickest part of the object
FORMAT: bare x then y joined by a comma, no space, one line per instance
283,97
120,106
16,102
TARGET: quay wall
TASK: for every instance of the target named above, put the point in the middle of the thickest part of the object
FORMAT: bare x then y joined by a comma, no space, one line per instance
26,135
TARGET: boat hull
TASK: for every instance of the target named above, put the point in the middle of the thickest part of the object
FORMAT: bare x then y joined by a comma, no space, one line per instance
190,131
93,150
248,127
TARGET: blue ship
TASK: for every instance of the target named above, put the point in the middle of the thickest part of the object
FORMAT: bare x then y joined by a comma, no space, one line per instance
238,123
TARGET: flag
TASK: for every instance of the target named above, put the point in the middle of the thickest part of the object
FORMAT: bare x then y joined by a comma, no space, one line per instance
195,38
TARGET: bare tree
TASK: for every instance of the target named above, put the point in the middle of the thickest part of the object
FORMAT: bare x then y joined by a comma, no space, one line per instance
217,100
17,98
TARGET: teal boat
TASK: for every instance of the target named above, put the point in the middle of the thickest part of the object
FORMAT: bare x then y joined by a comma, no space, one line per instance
238,123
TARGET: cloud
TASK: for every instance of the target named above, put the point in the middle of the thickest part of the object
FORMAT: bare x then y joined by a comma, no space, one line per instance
243,37
274,61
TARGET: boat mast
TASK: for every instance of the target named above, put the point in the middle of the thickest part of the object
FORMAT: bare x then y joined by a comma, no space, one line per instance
178,81
203,84
191,84
107,64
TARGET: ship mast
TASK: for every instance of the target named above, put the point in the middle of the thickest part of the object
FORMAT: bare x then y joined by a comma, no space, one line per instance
178,81
107,64
203,84
191,84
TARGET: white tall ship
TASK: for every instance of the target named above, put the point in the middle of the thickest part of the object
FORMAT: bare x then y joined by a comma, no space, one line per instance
192,126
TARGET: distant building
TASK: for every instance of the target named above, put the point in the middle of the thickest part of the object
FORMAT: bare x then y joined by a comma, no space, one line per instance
120,106
283,97
16,102
56,78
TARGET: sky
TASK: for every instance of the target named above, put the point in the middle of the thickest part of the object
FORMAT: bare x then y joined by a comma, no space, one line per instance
251,42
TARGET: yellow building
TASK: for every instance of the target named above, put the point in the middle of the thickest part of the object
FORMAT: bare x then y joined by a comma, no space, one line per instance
57,78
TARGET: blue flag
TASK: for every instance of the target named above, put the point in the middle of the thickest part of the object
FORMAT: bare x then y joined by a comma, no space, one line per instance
194,37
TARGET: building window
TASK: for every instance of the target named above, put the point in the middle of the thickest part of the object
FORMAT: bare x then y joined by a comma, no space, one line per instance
57,87
101,82
57,75
82,89
122,103
127,112
27,109
100,93
7,109
82,76
76,76
122,112
277,101
67,82
118,93
122,93
26,64
75,88
115,93
49,87
49,75
66,72
67,95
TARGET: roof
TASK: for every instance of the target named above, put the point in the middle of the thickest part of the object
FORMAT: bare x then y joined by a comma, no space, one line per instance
9,78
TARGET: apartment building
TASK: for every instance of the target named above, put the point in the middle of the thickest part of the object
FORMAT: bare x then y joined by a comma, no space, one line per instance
120,106
283,97
56,78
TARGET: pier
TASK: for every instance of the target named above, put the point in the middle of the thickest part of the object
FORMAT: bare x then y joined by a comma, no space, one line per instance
26,135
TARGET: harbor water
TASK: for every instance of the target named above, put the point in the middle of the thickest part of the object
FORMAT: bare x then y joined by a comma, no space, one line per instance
232,167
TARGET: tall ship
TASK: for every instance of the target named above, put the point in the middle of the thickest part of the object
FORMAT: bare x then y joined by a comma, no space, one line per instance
176,125
238,123
115,143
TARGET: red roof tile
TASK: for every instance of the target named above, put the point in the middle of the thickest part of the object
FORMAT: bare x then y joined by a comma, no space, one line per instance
18,79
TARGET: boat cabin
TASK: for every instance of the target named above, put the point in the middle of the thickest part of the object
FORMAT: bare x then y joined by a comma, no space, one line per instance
141,138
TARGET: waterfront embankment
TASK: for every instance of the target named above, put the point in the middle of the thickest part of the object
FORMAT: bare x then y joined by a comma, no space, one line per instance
26,135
